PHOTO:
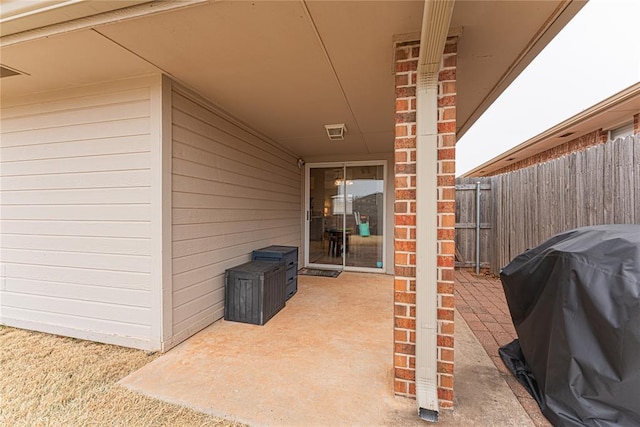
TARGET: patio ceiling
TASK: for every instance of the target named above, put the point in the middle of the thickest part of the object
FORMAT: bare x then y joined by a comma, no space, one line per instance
287,68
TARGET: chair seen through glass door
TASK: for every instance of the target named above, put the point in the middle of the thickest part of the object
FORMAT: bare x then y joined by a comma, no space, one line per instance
346,216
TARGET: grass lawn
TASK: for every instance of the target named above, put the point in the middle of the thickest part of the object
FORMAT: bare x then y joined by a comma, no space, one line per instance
58,381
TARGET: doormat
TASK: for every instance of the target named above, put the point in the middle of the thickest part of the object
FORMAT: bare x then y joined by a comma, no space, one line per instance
319,272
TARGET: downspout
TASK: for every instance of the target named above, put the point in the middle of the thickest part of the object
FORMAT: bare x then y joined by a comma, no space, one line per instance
435,26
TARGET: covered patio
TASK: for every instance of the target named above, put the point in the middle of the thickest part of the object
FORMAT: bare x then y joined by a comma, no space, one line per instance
147,149
323,360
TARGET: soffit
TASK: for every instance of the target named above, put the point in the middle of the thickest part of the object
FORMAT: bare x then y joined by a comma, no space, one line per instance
288,68
66,61
500,39
265,63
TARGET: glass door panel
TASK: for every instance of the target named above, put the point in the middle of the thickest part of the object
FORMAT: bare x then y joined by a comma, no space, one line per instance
327,207
346,216
363,230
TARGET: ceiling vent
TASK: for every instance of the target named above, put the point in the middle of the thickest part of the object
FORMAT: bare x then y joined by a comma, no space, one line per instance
8,72
336,132
564,135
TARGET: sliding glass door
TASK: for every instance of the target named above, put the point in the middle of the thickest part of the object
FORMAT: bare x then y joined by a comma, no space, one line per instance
345,216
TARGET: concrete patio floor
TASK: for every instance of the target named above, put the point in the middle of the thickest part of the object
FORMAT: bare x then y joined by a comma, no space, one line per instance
324,360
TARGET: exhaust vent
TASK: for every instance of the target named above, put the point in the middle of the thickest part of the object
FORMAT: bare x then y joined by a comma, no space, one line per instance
336,132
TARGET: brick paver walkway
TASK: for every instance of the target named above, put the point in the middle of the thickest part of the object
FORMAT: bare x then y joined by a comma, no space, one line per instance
481,302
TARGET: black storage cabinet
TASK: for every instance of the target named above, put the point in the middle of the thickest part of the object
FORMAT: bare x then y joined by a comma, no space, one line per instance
286,254
254,292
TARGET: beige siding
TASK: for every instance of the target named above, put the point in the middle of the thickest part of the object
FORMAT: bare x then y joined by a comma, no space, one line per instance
233,192
75,213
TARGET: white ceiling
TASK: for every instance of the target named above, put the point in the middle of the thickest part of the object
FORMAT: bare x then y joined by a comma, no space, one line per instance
287,68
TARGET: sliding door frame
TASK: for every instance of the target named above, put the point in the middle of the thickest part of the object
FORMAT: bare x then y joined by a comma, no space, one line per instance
307,214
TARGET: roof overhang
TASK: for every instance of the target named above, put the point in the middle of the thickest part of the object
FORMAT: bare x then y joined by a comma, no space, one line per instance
284,68
500,40
18,16
615,111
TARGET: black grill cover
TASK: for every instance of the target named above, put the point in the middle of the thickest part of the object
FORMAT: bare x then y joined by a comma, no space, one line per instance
575,303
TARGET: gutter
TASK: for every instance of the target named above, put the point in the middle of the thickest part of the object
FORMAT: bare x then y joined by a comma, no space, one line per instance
87,22
435,26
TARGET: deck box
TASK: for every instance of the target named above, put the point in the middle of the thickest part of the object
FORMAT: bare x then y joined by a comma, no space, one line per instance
255,291
286,254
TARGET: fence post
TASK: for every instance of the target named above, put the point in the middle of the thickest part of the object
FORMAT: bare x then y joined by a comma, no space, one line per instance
478,227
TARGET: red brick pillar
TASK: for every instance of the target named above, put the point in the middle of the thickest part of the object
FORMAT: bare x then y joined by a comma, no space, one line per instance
405,220
446,219
604,137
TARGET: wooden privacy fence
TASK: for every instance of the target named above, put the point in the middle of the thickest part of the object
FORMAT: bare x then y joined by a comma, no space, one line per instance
597,186
600,185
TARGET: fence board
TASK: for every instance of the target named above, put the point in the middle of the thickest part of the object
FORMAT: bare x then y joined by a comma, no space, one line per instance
625,179
497,231
609,165
597,186
580,184
636,180
570,192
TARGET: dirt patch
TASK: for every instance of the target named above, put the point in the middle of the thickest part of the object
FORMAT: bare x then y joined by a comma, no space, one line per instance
52,380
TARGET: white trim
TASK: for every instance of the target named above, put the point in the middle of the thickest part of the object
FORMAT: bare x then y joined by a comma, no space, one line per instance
117,15
34,9
166,208
155,133
306,209
123,341
161,253
306,215
304,250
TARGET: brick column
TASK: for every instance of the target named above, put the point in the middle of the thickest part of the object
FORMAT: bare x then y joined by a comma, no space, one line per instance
405,220
636,124
446,219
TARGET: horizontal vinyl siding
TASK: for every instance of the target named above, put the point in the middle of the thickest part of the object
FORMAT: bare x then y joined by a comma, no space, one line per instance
75,212
232,193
